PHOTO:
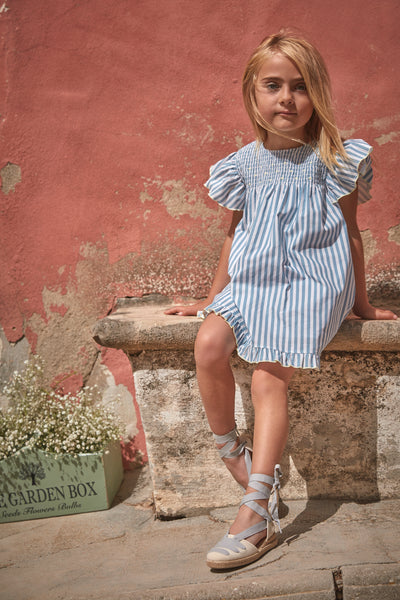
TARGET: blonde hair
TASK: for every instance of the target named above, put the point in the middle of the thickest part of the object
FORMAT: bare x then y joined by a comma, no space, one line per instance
321,129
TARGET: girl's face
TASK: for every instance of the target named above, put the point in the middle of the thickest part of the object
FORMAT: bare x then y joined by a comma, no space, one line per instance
282,100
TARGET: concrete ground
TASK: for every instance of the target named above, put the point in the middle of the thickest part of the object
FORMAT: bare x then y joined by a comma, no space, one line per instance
328,550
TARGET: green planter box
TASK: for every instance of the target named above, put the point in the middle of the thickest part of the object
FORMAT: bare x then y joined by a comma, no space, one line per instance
35,485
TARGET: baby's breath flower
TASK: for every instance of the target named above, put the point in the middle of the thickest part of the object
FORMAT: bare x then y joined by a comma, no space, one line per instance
45,419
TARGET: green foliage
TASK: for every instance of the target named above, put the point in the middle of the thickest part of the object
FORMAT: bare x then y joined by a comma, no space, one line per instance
42,418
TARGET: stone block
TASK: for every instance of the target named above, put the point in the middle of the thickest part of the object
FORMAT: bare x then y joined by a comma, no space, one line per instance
344,418
370,582
340,441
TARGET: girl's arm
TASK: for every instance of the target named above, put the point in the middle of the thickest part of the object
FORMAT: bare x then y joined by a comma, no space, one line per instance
362,308
221,278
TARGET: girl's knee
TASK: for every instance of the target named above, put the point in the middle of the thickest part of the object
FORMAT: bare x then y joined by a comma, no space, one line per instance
269,378
208,350
213,346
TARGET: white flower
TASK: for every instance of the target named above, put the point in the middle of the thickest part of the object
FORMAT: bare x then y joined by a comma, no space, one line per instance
43,418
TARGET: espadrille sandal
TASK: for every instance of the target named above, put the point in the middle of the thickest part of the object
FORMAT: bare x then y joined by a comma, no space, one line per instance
229,451
234,550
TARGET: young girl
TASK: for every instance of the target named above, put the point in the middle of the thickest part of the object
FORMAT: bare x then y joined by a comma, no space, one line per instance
290,270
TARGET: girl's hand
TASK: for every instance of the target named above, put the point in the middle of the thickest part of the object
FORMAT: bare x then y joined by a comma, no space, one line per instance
187,311
371,313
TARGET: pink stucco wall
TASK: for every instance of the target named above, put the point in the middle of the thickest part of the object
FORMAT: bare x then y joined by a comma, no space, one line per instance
111,113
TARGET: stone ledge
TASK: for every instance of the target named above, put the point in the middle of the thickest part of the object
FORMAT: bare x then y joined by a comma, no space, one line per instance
140,324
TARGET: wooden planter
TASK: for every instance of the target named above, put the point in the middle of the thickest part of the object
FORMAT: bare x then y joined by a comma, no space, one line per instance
35,485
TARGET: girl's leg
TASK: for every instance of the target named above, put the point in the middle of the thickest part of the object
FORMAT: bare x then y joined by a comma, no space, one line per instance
271,420
214,346
271,425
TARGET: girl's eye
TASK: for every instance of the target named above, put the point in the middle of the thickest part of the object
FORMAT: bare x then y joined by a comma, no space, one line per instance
301,87
272,86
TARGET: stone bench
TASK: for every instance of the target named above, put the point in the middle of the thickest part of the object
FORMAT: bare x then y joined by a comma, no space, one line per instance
343,440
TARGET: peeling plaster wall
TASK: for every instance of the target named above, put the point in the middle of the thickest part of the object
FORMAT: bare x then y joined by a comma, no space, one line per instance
111,113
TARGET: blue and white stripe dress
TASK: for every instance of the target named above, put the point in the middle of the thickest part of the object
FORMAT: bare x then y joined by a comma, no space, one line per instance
291,273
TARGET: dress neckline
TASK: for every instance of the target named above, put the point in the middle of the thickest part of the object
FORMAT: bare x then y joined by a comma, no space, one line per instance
296,155
288,150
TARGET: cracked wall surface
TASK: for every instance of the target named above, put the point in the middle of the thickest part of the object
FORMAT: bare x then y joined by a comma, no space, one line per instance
10,176
109,125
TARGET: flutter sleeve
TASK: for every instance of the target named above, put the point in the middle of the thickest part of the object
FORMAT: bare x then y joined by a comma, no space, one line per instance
226,185
357,171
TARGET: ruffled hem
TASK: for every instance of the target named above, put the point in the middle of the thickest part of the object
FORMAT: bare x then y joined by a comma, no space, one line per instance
286,359
252,354
225,184
356,171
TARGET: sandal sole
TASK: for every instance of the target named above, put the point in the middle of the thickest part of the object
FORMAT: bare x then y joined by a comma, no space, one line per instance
242,562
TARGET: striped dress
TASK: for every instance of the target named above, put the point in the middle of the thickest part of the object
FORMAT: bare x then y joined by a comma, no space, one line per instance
291,273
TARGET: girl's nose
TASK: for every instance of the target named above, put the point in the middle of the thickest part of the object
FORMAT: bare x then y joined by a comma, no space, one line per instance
286,94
